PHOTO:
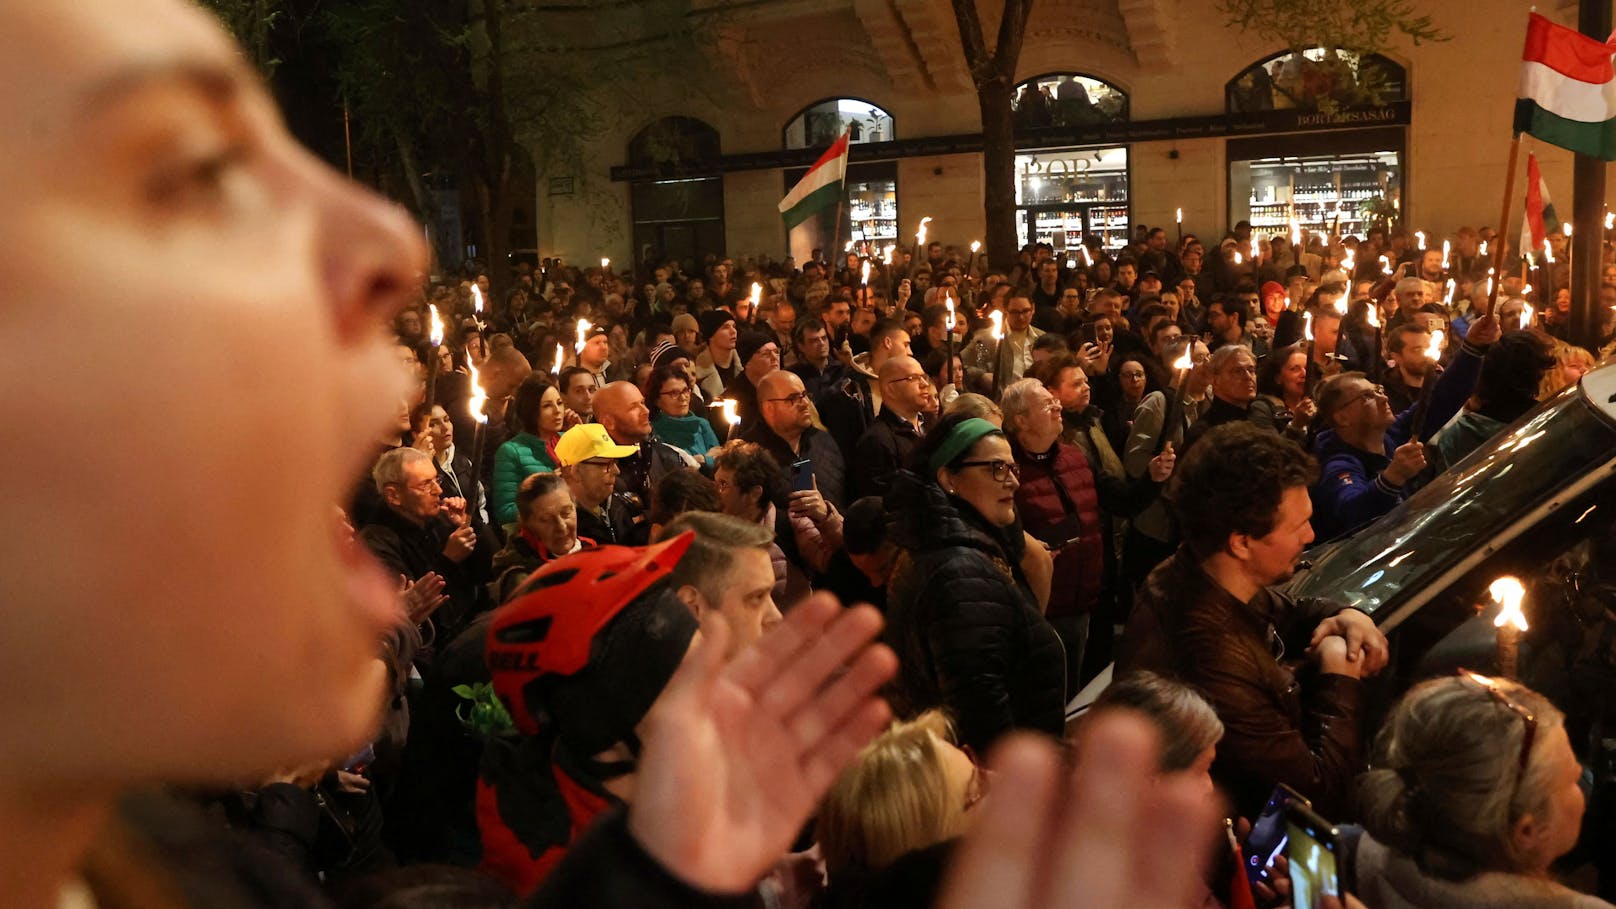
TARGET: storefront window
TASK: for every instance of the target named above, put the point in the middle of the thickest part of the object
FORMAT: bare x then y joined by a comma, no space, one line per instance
1063,196
869,217
1334,194
1067,99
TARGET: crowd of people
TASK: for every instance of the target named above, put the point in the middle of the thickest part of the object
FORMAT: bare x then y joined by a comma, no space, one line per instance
752,583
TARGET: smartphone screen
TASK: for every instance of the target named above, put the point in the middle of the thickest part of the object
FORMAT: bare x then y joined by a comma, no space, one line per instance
1268,834
1311,851
803,475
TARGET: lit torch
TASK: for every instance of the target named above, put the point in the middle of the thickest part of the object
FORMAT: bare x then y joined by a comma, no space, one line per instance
1296,233
730,415
757,290
1419,237
1175,407
435,335
1446,248
1508,592
583,333
477,303
1385,265
477,406
605,265
561,354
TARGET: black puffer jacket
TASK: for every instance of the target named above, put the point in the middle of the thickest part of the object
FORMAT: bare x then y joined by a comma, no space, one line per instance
968,635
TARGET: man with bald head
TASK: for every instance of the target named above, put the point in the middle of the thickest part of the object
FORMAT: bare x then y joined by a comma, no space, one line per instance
621,410
786,431
890,442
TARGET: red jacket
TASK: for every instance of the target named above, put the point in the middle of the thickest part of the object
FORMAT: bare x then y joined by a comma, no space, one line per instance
1060,506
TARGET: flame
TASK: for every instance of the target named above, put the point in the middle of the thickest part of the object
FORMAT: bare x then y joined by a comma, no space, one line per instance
864,272
1567,228
757,289
1178,215
1374,314
605,264
948,301
561,354
1088,260
1548,251
998,324
583,332
1350,260
436,335
1296,233
1307,325
1324,239
886,258
1489,285
730,416
1385,265
477,297
1237,259
1446,247
976,246
1526,314
1256,251
1340,305
1484,247
1433,351
1508,592
1454,285
920,235
1419,235
1184,361
479,398
1610,220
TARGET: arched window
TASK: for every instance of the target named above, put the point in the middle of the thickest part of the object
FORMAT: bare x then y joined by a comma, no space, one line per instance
678,206
1067,99
1319,78
818,124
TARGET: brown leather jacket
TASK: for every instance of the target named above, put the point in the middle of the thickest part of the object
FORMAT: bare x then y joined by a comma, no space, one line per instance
1277,729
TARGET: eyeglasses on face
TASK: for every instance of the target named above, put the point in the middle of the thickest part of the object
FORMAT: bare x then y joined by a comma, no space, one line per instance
1002,471
603,463
795,398
680,392
424,486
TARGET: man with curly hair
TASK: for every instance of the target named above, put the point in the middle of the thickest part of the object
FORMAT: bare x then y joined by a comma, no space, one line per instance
1210,617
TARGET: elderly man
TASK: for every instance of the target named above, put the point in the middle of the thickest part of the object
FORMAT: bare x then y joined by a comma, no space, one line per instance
590,463
1211,617
787,432
548,521
889,444
1234,387
620,410
419,533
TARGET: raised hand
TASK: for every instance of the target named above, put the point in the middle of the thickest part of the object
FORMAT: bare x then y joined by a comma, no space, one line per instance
1097,837
738,755
423,596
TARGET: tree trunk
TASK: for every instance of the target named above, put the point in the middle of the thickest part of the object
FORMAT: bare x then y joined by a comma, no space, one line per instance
998,171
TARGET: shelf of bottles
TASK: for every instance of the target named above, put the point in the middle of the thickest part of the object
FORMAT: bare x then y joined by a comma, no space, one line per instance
872,209
1064,227
1320,194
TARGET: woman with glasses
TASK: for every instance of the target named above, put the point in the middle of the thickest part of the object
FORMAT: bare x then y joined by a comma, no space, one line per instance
961,614
668,393
1474,795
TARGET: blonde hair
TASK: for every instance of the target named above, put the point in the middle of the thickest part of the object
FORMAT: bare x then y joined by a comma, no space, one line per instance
1444,788
894,800
1564,355
975,405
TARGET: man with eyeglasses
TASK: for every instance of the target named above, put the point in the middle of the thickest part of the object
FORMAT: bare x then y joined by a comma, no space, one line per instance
1371,453
1234,387
888,445
849,404
589,463
787,432
420,532
1016,358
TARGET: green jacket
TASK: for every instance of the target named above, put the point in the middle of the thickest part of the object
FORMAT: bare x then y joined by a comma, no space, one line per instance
521,457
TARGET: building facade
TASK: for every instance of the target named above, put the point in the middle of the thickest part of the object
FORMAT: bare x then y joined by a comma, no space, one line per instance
1128,111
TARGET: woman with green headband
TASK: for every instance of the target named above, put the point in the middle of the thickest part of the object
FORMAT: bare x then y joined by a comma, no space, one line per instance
968,632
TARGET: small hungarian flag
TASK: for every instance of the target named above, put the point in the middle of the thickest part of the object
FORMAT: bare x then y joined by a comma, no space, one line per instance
1540,218
1568,89
819,188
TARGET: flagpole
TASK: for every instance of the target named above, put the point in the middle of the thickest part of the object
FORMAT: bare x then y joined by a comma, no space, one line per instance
1503,225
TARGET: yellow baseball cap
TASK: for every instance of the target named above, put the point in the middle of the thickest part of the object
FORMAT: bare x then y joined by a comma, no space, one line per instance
589,440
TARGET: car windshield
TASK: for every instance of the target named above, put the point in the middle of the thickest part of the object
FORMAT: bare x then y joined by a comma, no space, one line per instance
1465,509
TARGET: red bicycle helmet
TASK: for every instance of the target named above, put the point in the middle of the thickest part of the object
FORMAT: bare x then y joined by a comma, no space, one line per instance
549,626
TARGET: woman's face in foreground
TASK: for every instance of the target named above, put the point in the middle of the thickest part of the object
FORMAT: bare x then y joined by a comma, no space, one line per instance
142,641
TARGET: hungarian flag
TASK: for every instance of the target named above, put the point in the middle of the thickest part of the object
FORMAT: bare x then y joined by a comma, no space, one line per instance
1540,218
1568,89
819,188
